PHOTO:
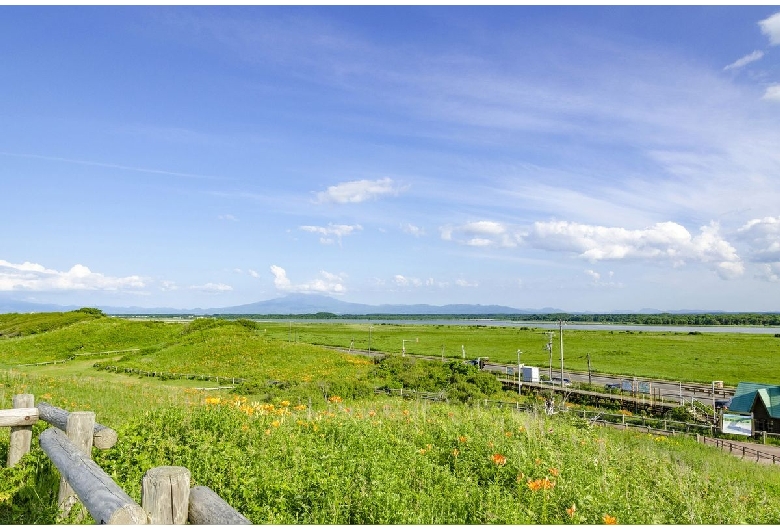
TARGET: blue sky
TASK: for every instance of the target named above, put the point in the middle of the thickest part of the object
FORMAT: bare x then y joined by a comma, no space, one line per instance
589,159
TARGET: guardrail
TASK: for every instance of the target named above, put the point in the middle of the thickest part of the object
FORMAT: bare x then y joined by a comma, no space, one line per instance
167,497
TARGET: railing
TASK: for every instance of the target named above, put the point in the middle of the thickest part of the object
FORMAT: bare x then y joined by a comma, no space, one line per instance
167,497
430,396
744,450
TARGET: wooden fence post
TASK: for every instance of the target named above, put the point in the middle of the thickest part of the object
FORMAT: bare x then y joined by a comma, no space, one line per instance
79,428
106,501
102,437
165,494
20,436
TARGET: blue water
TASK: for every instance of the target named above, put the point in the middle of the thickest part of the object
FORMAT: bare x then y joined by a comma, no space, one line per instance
554,325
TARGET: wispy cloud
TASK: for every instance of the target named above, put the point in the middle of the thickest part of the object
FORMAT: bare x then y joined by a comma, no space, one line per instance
113,166
327,283
772,93
771,28
747,59
480,234
330,231
460,282
359,191
405,281
212,288
227,217
411,229
35,277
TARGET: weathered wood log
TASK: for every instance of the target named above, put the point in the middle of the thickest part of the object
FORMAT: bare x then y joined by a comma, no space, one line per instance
165,494
206,507
79,431
21,435
104,500
18,417
102,437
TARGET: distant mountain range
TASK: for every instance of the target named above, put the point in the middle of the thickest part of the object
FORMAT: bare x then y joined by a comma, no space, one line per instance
294,304
298,304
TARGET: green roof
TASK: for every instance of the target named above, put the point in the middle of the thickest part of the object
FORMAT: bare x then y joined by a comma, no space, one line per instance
746,394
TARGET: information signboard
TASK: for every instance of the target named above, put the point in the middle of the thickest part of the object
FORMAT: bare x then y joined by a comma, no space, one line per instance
737,424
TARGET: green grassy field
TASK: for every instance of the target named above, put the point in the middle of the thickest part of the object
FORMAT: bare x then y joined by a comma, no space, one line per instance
704,357
280,458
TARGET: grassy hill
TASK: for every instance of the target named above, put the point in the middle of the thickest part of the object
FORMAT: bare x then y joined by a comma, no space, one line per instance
280,458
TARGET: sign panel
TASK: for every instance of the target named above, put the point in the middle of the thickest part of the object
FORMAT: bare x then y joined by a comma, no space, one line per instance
737,424
644,387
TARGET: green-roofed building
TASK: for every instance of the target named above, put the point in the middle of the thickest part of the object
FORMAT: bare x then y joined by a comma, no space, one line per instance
763,401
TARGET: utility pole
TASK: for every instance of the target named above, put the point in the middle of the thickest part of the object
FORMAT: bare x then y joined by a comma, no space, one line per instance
560,325
519,373
589,382
549,349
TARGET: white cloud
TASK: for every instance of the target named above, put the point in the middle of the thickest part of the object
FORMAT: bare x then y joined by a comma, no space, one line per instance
412,230
327,283
770,272
167,285
253,273
480,234
747,59
227,217
662,242
763,238
771,28
597,281
772,93
338,231
593,274
35,277
463,283
403,281
359,191
212,288
667,241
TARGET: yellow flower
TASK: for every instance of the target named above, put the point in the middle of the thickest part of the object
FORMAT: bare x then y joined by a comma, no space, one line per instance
570,511
462,439
455,452
508,434
285,403
554,472
275,423
213,401
300,407
608,519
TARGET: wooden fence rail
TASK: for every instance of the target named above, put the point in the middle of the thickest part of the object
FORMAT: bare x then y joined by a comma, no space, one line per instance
170,375
740,449
167,497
